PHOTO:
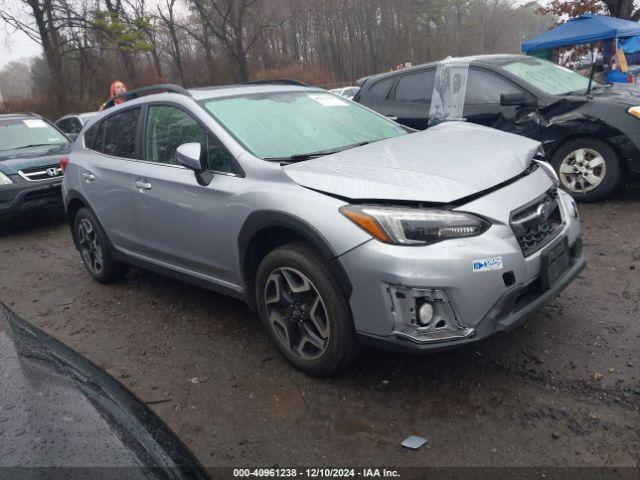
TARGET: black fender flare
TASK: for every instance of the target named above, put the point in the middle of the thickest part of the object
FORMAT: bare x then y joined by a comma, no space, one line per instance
262,219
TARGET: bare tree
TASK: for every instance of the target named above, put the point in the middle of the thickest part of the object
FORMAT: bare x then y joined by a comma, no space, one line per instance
44,32
169,21
237,24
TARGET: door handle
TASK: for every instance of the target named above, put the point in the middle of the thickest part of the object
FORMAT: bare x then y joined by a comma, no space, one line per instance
88,177
140,185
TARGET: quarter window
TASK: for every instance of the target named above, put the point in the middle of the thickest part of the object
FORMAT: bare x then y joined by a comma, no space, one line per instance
120,134
98,144
90,136
485,88
416,87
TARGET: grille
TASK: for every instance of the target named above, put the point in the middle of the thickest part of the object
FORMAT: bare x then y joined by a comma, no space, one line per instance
41,173
537,223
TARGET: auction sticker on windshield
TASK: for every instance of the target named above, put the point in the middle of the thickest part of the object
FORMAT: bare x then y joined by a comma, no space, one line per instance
487,264
328,100
35,123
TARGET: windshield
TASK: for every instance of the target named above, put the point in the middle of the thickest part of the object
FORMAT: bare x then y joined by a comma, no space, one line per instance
282,125
549,77
26,132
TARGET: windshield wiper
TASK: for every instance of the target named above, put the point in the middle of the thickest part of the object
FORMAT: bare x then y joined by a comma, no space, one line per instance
33,145
301,157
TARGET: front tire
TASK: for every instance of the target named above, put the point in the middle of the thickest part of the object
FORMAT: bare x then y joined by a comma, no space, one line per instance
589,169
94,249
304,310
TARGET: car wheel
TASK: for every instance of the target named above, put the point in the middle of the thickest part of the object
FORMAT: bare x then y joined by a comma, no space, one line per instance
94,249
304,310
588,168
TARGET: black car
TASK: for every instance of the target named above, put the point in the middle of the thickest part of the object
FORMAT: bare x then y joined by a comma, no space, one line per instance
31,150
62,417
591,136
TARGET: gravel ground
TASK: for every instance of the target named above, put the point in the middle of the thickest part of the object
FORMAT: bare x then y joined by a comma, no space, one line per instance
563,390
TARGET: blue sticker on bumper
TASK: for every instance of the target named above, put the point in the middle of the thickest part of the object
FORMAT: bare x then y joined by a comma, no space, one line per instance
487,264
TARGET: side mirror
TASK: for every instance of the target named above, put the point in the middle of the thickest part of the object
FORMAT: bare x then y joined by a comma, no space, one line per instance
189,155
517,99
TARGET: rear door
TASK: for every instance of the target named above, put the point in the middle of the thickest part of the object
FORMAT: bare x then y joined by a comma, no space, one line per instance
482,105
105,170
181,224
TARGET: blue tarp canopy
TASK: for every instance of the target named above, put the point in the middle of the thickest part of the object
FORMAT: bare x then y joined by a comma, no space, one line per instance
630,45
584,29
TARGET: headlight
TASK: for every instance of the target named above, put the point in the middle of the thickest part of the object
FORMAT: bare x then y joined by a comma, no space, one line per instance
4,180
414,226
548,168
635,111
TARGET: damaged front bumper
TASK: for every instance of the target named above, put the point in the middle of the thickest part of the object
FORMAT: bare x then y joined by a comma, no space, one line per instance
510,311
465,304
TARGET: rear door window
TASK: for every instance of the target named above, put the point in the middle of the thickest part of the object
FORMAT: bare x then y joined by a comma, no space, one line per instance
120,134
381,88
416,87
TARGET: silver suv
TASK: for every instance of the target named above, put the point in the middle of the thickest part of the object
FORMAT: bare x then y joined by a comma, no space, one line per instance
339,226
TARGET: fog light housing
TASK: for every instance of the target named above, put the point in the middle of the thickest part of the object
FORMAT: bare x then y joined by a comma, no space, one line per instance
425,314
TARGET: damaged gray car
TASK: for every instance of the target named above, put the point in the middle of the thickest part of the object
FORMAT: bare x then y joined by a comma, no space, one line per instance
339,226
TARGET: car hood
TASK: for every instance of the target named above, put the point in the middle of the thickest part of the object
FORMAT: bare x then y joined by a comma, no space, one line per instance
440,165
13,160
57,409
619,93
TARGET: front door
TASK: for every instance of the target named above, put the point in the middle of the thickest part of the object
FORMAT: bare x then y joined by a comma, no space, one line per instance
482,105
181,223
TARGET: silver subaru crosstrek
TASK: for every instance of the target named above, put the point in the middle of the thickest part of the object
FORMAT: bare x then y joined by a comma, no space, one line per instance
339,226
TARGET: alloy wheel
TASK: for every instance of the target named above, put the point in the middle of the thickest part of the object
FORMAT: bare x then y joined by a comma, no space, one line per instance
297,313
90,247
582,170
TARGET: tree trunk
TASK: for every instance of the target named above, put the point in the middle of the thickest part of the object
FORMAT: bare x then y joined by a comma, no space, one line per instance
43,16
178,57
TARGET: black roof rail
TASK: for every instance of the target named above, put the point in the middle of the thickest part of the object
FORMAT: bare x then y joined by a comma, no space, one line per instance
151,89
277,81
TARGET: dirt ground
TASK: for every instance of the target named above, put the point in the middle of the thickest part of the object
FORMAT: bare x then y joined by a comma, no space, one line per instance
202,361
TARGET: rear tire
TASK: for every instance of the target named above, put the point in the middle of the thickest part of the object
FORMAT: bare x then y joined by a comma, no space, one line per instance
304,310
589,169
94,249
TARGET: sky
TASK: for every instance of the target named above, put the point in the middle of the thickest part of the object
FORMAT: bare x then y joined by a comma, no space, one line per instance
16,46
